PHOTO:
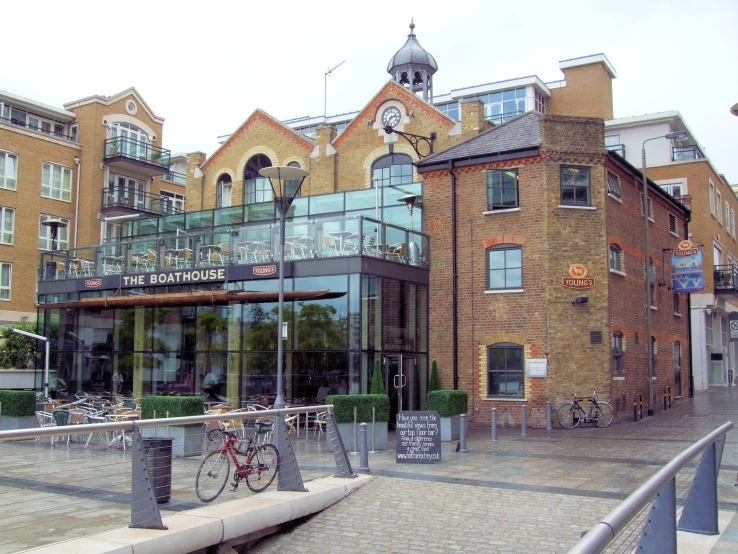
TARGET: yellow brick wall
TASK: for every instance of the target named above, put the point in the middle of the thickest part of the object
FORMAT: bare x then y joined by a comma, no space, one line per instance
588,93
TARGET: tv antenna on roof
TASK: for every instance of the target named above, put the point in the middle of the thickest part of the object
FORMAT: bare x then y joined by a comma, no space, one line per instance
325,88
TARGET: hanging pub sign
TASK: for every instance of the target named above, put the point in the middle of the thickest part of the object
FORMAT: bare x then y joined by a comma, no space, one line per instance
687,274
578,278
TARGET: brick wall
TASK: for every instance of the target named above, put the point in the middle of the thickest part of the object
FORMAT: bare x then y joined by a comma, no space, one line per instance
588,93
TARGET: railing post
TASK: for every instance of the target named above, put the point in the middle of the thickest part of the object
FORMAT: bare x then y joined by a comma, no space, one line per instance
374,421
494,425
523,432
334,443
144,509
364,466
700,513
659,536
462,441
549,423
290,478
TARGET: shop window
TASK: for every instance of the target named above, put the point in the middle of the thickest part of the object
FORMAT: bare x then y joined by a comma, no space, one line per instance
575,186
502,189
505,267
505,370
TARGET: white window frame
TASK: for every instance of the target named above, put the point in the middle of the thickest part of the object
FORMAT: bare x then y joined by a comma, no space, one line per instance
177,200
712,198
5,215
717,255
65,195
727,217
718,209
5,266
732,222
74,132
4,178
62,238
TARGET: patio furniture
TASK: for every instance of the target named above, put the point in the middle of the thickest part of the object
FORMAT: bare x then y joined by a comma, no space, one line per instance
45,419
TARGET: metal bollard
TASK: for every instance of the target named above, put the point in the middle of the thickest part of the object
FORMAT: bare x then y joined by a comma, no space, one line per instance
364,466
463,425
356,444
374,420
549,423
494,425
522,422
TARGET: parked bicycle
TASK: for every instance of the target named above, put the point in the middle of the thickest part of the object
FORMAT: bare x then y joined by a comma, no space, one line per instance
571,415
259,464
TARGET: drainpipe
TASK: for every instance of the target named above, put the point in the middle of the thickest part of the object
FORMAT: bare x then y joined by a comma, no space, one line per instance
76,203
689,318
454,276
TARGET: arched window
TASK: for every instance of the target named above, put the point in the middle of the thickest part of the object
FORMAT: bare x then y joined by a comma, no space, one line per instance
132,141
292,184
505,370
223,191
616,257
617,354
505,267
395,169
256,189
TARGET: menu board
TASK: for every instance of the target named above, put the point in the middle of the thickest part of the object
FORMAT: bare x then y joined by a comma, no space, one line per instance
418,438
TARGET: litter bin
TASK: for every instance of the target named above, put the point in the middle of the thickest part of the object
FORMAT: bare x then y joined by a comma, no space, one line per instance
158,452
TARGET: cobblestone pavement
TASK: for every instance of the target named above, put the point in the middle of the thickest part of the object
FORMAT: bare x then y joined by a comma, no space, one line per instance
520,495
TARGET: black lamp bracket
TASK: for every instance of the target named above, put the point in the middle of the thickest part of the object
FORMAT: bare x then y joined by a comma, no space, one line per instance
423,146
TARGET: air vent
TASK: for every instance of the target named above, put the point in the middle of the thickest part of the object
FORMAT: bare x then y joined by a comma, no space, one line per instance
595,337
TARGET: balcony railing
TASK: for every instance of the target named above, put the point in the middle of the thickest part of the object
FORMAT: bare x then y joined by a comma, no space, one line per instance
245,244
129,199
502,117
36,129
726,280
617,148
174,177
125,150
685,153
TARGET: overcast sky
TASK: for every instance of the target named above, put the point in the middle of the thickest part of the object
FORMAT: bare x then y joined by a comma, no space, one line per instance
205,66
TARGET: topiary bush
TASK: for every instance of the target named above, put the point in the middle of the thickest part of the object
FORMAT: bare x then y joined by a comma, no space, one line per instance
435,382
177,406
18,351
377,382
344,407
17,403
447,402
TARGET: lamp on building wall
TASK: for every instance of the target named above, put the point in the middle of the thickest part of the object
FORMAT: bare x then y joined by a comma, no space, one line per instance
282,181
649,342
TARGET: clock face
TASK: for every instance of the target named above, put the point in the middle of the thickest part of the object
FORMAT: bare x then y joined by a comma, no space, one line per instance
391,117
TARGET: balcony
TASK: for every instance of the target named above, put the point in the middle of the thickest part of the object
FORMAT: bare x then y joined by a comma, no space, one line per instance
134,155
726,281
45,129
124,200
617,148
231,247
174,177
686,153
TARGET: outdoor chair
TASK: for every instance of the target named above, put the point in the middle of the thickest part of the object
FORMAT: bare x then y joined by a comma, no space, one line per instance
61,418
45,419
90,419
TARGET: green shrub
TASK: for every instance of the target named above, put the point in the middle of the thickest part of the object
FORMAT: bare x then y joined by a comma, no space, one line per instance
177,406
18,351
435,382
377,383
17,403
344,407
447,402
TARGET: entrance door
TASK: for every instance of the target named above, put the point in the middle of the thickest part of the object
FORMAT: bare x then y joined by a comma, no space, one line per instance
402,383
677,369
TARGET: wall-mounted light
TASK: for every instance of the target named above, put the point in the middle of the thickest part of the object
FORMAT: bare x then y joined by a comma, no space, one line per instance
580,300
369,121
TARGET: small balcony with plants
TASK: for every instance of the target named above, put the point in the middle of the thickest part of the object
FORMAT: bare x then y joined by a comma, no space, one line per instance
134,155
726,281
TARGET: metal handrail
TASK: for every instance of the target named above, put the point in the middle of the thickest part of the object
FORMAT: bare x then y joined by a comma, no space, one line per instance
27,125
82,429
604,531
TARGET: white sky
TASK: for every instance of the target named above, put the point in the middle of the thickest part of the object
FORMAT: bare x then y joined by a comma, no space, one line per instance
205,66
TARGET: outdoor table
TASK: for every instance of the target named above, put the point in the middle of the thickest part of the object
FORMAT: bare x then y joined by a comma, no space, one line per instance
341,236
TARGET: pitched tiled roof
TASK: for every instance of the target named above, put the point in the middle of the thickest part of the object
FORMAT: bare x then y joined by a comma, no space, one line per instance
520,133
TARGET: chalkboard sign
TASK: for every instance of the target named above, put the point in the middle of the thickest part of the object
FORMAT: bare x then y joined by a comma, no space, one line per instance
418,438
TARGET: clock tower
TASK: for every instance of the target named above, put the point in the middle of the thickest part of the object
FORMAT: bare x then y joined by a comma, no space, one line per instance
413,67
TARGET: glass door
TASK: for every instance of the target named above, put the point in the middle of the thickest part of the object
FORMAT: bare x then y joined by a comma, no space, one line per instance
403,384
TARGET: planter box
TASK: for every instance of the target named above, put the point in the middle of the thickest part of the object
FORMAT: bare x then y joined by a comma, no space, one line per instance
380,435
451,428
187,440
10,423
17,379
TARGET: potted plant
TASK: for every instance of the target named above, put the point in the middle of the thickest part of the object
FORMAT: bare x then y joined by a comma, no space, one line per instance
344,405
114,148
187,438
449,404
17,409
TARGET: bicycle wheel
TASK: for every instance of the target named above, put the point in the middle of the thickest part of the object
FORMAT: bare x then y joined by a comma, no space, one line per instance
212,476
568,417
602,414
264,467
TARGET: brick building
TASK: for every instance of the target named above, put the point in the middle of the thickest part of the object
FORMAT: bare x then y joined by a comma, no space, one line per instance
88,163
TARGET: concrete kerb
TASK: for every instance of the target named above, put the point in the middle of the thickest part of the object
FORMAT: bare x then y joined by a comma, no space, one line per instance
211,525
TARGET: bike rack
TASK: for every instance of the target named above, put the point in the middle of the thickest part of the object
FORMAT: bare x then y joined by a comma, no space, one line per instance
667,397
637,401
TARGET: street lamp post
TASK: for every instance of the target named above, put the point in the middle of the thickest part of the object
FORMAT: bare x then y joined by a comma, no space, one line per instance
283,199
649,342
46,357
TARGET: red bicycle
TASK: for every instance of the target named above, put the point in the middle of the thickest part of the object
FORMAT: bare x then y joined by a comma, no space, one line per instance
260,464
